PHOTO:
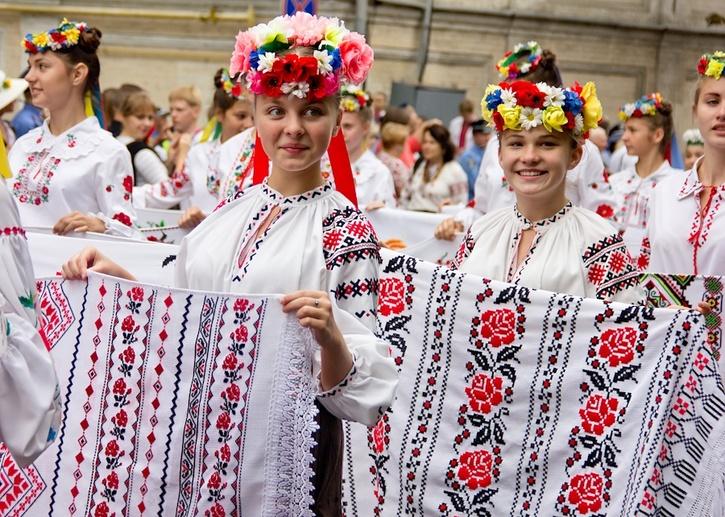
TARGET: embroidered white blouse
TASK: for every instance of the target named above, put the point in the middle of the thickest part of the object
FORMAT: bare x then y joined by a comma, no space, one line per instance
632,196
317,241
450,184
29,397
684,237
149,167
574,252
373,181
234,166
83,169
202,168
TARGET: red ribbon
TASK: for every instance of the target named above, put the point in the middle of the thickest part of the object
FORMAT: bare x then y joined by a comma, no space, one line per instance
339,161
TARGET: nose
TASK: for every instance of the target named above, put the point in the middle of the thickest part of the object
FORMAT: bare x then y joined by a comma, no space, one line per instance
294,125
531,154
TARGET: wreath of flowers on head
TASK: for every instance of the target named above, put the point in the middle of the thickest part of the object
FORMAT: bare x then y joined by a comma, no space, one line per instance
507,67
338,56
645,106
693,137
66,35
231,87
354,99
524,105
711,65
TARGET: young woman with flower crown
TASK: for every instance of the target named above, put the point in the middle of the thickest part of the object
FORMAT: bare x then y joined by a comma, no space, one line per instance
694,147
647,135
586,183
294,233
70,174
686,226
373,181
543,241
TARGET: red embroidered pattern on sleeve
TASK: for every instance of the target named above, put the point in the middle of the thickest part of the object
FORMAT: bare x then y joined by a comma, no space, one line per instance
348,236
610,267
464,250
123,218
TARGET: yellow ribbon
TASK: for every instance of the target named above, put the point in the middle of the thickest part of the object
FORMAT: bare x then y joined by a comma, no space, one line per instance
88,104
209,130
4,163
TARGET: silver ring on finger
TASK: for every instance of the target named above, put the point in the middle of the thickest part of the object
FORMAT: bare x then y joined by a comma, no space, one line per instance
317,302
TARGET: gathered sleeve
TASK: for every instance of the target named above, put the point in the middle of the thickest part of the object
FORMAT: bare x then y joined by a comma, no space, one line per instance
114,187
168,192
150,167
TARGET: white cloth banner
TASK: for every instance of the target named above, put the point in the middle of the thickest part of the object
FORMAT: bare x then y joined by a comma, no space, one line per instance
175,403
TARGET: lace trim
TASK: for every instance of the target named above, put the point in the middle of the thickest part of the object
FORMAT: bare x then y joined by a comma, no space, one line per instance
288,467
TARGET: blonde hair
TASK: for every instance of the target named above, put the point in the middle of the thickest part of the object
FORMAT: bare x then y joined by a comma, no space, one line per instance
394,134
137,103
190,94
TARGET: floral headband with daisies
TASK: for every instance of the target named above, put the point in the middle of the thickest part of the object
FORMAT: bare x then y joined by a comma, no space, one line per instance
338,57
645,106
693,137
711,65
354,99
66,35
524,105
507,67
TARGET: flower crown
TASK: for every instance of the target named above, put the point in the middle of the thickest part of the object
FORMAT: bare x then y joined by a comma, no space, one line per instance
66,35
507,67
711,65
354,98
524,105
231,87
645,106
338,57
692,137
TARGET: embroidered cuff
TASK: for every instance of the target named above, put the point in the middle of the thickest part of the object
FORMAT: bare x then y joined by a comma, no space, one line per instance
340,385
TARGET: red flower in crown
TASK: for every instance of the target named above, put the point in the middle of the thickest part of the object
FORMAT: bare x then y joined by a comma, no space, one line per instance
484,392
598,413
271,83
527,94
475,469
391,296
586,492
498,326
617,345
57,37
702,65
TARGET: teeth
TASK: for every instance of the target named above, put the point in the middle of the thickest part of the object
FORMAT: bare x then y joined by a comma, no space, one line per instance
530,173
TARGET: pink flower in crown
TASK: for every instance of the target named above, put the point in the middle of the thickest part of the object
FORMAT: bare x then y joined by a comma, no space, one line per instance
357,57
254,82
306,29
111,481
243,47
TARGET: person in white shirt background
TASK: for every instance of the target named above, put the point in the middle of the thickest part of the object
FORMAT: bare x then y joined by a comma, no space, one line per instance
694,146
460,126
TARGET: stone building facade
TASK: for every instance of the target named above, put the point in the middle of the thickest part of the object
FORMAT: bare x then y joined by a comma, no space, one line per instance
629,47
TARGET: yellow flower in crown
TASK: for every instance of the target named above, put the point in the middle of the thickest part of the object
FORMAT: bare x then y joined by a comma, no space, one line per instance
554,118
349,105
71,34
592,107
511,116
334,34
41,39
714,69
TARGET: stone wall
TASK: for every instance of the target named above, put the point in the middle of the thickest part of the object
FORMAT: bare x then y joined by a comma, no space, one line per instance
628,47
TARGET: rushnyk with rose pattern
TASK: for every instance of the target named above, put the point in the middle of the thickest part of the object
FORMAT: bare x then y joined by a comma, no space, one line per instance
522,402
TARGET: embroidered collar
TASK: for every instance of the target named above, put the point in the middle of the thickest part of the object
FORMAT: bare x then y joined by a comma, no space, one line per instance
80,140
275,197
634,181
543,223
692,184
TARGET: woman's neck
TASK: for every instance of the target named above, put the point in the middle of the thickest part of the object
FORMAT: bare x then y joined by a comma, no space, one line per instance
438,163
535,209
355,154
711,169
226,135
62,119
293,183
647,164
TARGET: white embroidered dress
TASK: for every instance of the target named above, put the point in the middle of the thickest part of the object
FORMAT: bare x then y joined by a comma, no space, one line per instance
83,169
373,181
450,184
202,168
29,396
684,237
574,252
632,194
234,165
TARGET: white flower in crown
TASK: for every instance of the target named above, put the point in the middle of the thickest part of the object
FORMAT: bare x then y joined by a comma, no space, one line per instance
525,68
299,90
266,61
578,124
628,109
266,32
508,97
530,118
334,34
552,96
518,47
324,60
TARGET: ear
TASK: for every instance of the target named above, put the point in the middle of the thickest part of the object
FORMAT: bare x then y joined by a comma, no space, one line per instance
658,134
78,74
576,155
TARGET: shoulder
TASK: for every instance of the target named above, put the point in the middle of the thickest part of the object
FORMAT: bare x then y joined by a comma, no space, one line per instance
348,236
590,225
236,199
25,144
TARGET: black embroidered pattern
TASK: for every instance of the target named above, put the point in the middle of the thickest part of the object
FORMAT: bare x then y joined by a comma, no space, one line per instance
348,236
610,267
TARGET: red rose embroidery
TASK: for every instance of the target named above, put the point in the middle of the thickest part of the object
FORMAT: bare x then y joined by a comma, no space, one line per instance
598,414
498,326
232,393
215,481
223,421
112,449
241,305
128,184
586,492
230,362
101,510
128,324
379,438
119,387
241,334
136,294
111,481
605,211
391,296
217,511
122,218
484,392
224,454
617,345
121,419
128,356
475,469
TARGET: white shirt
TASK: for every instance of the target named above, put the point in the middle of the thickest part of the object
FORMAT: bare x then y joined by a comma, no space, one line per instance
234,166
680,240
29,397
83,169
373,181
574,252
632,196
450,184
454,127
317,241
147,164
203,171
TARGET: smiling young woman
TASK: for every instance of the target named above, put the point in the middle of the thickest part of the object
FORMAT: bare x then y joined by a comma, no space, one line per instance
70,174
686,227
294,233
543,241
